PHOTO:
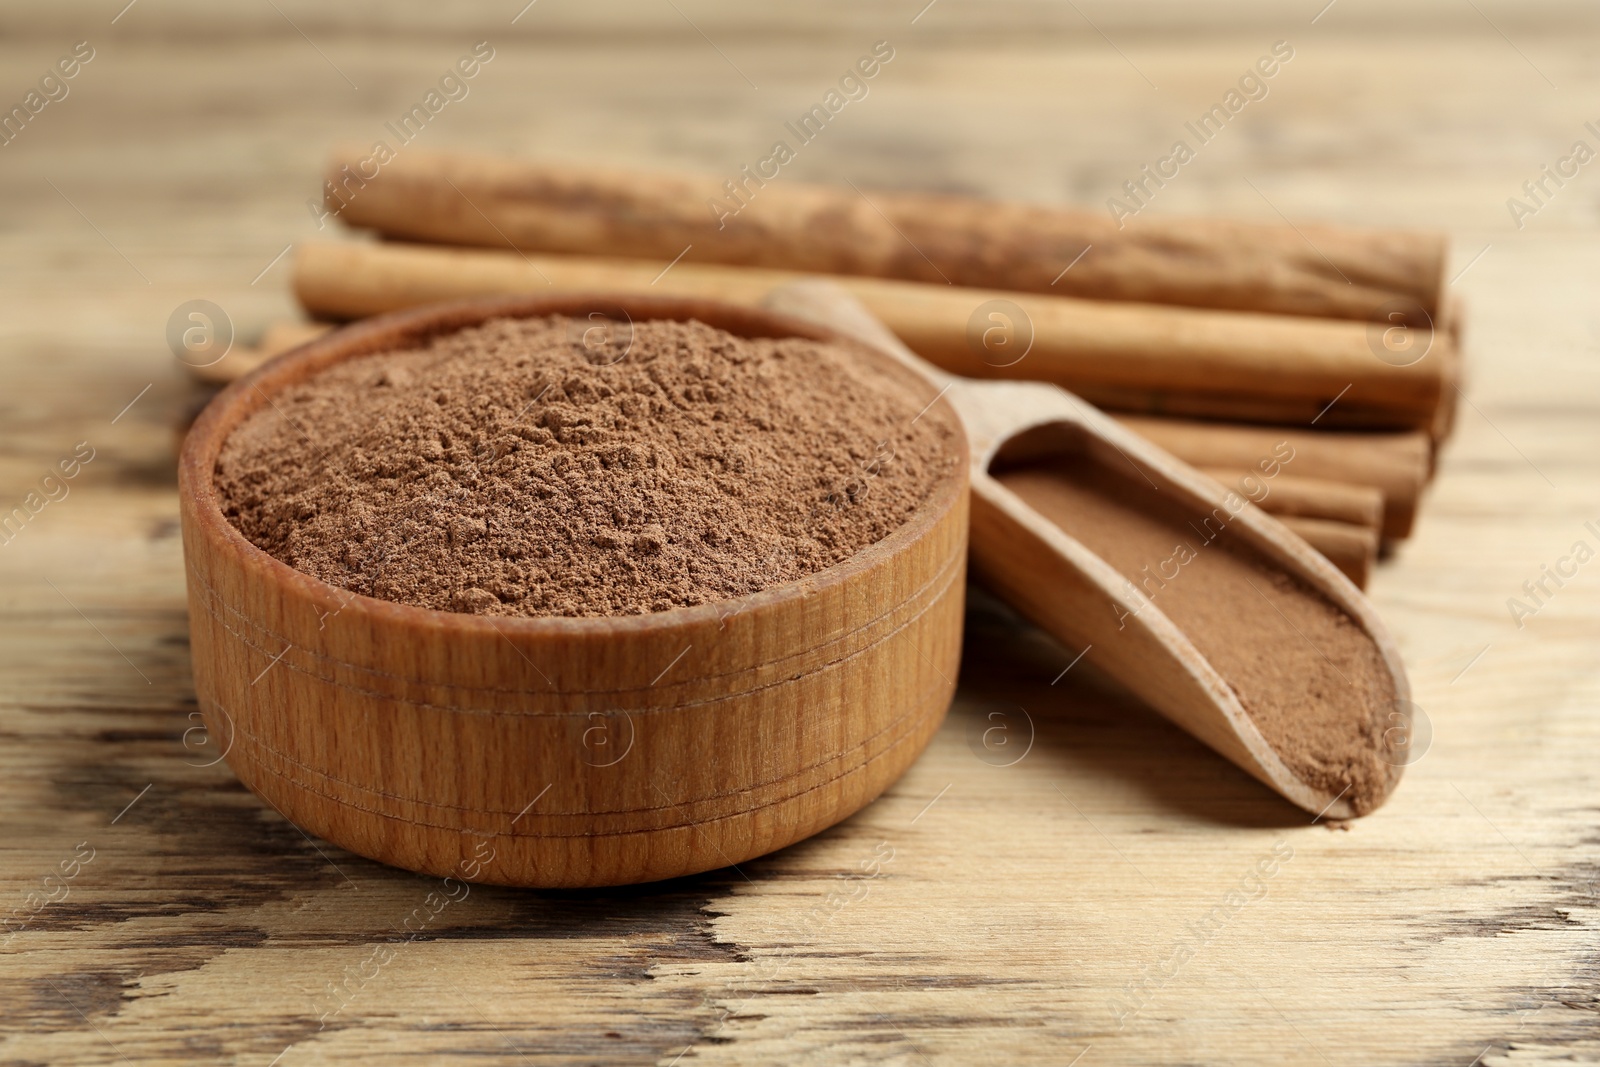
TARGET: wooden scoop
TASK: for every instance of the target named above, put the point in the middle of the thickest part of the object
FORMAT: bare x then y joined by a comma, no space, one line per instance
1299,683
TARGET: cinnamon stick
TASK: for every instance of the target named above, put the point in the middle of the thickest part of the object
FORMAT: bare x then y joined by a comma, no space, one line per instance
1222,364
1290,495
285,334
1396,464
1340,521
1453,372
769,221
1353,549
242,359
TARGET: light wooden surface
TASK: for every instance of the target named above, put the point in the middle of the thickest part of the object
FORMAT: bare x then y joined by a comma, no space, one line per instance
976,911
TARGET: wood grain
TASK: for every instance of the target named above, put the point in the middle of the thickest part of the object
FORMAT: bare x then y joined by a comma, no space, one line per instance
1459,923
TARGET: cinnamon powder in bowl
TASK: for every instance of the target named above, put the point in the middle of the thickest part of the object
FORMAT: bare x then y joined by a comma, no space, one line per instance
512,469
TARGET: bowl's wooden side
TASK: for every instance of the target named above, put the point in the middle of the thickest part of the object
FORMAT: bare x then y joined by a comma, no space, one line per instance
555,752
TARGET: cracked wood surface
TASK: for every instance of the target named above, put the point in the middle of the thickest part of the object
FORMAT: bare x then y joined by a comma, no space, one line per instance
1100,886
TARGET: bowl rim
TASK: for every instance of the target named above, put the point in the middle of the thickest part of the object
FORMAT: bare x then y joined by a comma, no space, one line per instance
397,329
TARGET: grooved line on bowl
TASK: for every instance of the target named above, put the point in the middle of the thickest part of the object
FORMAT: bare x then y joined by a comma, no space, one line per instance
262,745
858,768
255,739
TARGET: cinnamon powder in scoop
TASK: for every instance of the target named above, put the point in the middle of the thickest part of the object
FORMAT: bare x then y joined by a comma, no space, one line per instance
508,469
1311,680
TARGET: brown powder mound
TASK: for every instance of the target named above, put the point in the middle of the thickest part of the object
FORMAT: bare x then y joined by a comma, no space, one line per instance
1314,684
500,471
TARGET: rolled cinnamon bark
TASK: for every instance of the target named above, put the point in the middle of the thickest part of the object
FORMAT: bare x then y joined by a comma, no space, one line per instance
1339,520
1288,496
1353,549
1452,374
242,359
1396,464
767,221
1221,364
285,334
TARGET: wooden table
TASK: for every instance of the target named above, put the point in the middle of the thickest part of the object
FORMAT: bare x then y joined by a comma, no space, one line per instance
1088,903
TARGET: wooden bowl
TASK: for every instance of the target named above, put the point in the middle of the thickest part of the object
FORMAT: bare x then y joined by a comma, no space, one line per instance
560,751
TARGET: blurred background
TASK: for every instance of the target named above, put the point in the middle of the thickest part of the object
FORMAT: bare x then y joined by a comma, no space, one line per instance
179,164
188,146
